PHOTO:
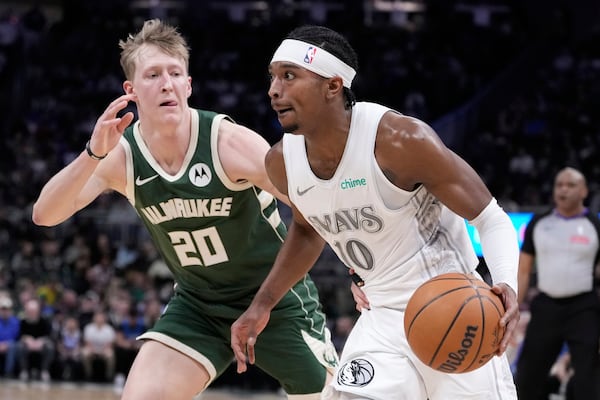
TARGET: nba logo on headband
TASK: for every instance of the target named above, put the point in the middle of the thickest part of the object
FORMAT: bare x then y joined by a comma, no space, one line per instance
310,55
326,65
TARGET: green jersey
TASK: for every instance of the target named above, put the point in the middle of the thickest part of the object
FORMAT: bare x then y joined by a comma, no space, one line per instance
219,238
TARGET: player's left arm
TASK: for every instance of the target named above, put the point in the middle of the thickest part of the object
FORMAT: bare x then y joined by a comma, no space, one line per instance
410,153
242,153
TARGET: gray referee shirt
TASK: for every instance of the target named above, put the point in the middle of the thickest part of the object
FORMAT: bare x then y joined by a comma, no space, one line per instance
566,251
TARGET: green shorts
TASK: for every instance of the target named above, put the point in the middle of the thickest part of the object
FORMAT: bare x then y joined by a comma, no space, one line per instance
295,348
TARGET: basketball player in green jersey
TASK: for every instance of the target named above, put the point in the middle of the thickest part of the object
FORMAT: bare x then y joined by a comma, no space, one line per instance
198,182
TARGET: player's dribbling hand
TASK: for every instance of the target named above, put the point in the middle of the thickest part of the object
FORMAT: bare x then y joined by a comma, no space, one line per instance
511,316
244,332
109,127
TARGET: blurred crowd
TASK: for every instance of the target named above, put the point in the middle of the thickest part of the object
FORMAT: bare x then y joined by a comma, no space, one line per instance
554,123
89,286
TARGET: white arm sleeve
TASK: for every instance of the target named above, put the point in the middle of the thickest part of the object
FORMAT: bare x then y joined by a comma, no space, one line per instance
499,244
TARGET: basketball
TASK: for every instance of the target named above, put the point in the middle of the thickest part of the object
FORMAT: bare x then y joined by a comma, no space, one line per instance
452,323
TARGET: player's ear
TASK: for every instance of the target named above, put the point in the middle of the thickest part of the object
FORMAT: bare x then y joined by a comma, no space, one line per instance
335,85
128,87
189,87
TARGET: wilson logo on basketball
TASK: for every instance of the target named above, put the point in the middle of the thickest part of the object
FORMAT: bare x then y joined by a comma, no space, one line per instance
456,358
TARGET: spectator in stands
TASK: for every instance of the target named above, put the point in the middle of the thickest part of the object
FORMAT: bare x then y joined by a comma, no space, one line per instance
103,248
35,348
153,308
98,345
9,333
126,343
564,245
25,263
99,276
69,348
51,259
67,303
89,303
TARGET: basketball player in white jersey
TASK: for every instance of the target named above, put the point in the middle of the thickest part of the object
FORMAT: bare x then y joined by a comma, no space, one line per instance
390,199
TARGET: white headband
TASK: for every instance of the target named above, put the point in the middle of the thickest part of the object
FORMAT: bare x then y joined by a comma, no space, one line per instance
314,59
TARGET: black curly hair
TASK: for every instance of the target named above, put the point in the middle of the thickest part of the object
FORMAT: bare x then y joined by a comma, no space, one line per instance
334,43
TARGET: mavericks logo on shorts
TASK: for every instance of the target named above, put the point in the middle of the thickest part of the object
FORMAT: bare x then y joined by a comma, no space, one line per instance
358,372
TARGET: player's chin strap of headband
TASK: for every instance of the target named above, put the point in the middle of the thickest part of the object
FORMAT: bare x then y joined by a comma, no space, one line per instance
314,59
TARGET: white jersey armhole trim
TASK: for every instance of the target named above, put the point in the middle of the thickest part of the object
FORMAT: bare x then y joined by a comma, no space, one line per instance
388,192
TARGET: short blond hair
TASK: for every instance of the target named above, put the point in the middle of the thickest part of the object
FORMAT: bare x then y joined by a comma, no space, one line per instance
157,33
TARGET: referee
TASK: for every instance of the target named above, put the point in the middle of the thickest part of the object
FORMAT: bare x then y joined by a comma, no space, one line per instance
563,243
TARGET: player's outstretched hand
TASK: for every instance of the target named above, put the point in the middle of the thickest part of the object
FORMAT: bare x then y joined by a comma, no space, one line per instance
244,332
511,317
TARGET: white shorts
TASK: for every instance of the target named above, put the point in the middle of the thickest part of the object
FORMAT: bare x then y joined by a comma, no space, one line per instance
377,364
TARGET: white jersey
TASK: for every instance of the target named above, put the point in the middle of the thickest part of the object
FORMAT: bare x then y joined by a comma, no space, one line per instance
393,238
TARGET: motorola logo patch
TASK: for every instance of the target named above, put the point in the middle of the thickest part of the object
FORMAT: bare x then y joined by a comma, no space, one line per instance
200,175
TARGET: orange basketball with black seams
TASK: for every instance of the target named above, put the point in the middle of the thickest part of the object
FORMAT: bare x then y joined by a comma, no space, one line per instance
452,323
